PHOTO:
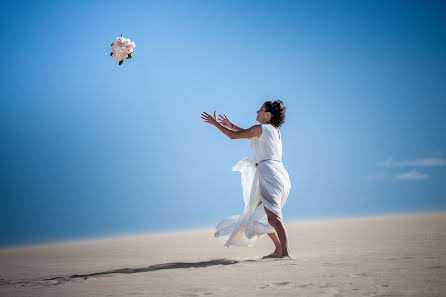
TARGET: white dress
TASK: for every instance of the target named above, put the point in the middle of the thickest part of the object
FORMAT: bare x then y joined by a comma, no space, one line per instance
263,180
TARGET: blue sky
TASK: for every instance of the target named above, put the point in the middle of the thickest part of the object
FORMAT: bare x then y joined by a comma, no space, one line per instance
90,148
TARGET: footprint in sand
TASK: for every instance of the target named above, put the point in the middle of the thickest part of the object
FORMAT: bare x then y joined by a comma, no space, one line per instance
329,264
328,275
328,285
305,285
358,274
197,292
400,258
280,285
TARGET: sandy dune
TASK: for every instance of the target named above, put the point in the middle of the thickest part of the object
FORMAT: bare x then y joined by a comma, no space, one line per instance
399,255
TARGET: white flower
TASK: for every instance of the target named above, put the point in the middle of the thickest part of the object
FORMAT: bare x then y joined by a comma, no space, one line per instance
121,48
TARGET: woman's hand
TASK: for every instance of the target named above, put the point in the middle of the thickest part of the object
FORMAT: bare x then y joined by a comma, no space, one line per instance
225,121
210,119
254,131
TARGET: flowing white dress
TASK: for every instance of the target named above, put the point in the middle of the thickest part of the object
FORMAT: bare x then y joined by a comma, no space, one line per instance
263,180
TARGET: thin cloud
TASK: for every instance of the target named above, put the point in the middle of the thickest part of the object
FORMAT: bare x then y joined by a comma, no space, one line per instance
426,162
412,175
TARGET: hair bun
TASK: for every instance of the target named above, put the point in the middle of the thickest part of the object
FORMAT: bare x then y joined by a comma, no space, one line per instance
277,110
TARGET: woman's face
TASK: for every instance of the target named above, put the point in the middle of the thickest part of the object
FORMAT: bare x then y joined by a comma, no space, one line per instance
263,117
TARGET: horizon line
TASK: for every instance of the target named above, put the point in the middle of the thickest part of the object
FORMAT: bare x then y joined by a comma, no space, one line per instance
4,247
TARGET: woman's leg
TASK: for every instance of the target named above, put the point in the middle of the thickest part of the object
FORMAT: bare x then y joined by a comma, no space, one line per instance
277,224
276,241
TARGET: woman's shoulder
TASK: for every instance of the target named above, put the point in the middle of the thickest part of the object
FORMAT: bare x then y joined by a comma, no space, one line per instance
268,127
267,130
256,131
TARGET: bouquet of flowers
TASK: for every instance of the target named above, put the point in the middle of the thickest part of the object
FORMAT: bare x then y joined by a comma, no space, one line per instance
122,48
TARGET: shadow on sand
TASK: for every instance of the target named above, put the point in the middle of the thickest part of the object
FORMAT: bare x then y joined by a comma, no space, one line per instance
174,265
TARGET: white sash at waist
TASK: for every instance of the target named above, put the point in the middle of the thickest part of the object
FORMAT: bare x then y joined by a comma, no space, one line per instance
257,164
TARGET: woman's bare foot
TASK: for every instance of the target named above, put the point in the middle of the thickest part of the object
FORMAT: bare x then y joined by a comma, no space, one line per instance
285,257
272,255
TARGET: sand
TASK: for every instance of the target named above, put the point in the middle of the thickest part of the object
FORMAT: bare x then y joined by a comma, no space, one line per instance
392,255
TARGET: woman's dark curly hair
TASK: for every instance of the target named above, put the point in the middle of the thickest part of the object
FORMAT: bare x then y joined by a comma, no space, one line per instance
277,110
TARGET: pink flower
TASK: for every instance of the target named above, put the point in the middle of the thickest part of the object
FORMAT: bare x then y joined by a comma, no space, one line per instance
122,48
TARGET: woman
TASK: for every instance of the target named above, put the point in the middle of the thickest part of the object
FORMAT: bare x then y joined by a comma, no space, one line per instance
265,181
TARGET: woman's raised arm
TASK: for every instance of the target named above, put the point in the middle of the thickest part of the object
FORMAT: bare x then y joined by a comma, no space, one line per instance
224,120
254,131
